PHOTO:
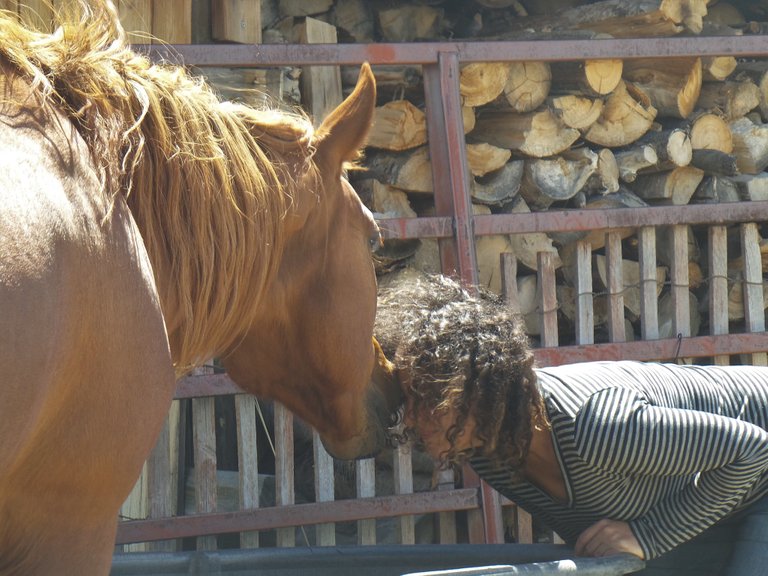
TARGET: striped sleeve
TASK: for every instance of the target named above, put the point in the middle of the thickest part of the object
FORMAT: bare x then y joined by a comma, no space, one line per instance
618,430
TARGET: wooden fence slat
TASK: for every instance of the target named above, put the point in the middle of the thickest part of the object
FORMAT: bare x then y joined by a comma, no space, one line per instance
403,472
136,18
546,278
718,285
135,507
172,21
615,275
649,300
206,484
236,21
320,85
681,297
37,13
446,520
754,304
324,488
247,461
585,312
284,471
365,481
162,475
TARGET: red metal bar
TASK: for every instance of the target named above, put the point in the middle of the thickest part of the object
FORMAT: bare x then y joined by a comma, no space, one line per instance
450,172
250,55
580,220
295,515
664,349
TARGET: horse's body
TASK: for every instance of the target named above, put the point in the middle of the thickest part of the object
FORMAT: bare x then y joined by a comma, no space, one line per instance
144,226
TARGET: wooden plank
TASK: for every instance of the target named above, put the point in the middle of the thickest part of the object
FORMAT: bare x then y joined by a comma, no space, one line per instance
172,21
679,277
649,301
236,21
508,268
585,313
37,14
204,449
135,507
615,273
162,474
320,85
718,285
365,481
446,521
403,476
136,18
547,286
10,5
324,488
754,304
248,461
284,472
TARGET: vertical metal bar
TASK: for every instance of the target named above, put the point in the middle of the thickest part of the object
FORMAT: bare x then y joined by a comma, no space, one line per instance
450,172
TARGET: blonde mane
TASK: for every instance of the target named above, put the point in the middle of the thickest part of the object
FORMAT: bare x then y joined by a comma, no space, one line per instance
207,182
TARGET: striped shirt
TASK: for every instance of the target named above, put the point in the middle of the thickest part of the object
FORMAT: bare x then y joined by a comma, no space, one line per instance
668,449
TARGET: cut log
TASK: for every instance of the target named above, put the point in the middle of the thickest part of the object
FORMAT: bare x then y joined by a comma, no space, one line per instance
627,115
733,98
397,126
673,147
711,132
717,68
590,77
576,111
482,82
672,84
715,162
536,134
300,8
674,187
555,179
757,71
527,246
389,202
354,20
631,161
527,85
410,171
622,19
529,306
716,189
484,158
407,23
750,145
499,187
630,273
605,180
752,187
392,82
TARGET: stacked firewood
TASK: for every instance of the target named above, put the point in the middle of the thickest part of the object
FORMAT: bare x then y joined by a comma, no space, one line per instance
592,134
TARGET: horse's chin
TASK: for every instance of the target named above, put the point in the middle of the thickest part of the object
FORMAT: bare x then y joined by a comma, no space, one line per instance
382,402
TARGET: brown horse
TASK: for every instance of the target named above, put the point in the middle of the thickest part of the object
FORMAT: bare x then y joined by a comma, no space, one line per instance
144,227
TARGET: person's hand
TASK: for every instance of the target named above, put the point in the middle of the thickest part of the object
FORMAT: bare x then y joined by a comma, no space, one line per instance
608,537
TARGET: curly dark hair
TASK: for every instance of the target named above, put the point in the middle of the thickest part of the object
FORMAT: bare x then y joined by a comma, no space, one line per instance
467,354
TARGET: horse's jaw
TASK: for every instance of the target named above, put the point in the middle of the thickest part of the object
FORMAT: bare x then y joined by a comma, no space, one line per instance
384,397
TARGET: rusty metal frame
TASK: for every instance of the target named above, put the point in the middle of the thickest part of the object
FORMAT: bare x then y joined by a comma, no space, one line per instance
455,228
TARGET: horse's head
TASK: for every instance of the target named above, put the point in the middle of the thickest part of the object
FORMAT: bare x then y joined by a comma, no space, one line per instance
311,346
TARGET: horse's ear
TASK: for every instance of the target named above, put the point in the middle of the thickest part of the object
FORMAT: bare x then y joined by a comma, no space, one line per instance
344,131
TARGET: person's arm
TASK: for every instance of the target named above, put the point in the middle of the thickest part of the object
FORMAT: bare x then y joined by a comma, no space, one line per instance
619,431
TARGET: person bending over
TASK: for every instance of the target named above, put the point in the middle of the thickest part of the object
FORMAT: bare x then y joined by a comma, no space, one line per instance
667,462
